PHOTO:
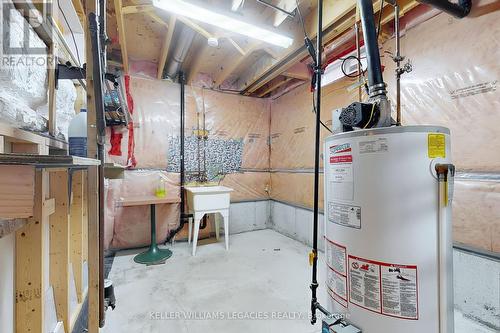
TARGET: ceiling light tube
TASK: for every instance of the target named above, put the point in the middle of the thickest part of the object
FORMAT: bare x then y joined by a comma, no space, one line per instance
195,12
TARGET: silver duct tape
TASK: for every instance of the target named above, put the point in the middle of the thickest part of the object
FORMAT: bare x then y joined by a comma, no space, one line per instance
211,157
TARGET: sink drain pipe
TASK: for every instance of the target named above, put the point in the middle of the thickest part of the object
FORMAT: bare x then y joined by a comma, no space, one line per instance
183,215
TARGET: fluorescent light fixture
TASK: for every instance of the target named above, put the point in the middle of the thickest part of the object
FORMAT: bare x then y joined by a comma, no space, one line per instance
236,5
184,8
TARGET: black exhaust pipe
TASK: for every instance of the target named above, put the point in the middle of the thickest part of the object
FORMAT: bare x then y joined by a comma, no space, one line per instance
376,83
459,10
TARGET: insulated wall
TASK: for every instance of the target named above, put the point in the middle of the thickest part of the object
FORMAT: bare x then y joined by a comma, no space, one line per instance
24,77
454,83
236,145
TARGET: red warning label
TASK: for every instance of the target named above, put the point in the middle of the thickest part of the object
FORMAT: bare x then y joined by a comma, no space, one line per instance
388,289
341,159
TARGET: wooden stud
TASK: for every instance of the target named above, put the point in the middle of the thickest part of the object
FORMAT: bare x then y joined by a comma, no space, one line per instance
29,269
166,46
85,221
121,34
59,245
76,225
93,248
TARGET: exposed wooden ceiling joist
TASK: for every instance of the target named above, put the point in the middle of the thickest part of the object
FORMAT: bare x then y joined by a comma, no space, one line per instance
338,16
196,27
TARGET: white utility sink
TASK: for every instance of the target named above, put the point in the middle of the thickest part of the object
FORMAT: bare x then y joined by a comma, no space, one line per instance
203,200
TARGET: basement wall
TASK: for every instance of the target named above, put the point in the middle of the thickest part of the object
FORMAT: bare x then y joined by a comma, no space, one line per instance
24,77
238,131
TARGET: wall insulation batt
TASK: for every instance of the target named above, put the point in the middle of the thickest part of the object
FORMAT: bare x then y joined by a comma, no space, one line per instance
24,76
229,119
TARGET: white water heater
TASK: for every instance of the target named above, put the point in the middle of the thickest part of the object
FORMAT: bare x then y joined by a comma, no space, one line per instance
388,245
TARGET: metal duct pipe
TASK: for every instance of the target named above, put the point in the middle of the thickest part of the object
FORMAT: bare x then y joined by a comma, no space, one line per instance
179,54
375,79
459,10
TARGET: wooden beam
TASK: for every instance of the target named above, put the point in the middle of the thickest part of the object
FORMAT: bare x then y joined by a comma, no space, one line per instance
121,34
230,68
137,9
29,268
273,86
76,226
166,46
195,27
85,222
236,46
336,15
59,245
298,71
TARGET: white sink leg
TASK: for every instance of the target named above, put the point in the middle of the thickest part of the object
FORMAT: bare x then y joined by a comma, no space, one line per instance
197,220
225,216
217,226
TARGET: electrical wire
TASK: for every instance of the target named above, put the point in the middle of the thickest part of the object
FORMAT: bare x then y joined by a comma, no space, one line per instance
301,18
371,116
342,67
321,122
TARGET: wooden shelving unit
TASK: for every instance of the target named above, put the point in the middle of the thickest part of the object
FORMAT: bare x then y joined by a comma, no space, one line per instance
55,195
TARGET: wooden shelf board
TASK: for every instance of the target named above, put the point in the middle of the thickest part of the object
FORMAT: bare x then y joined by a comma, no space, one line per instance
146,200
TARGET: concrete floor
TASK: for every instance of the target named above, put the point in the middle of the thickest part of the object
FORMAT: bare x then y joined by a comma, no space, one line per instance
265,274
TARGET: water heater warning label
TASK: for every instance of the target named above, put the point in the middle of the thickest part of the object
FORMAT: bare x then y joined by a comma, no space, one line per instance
364,284
436,145
374,146
345,215
399,291
336,257
388,289
337,287
336,260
